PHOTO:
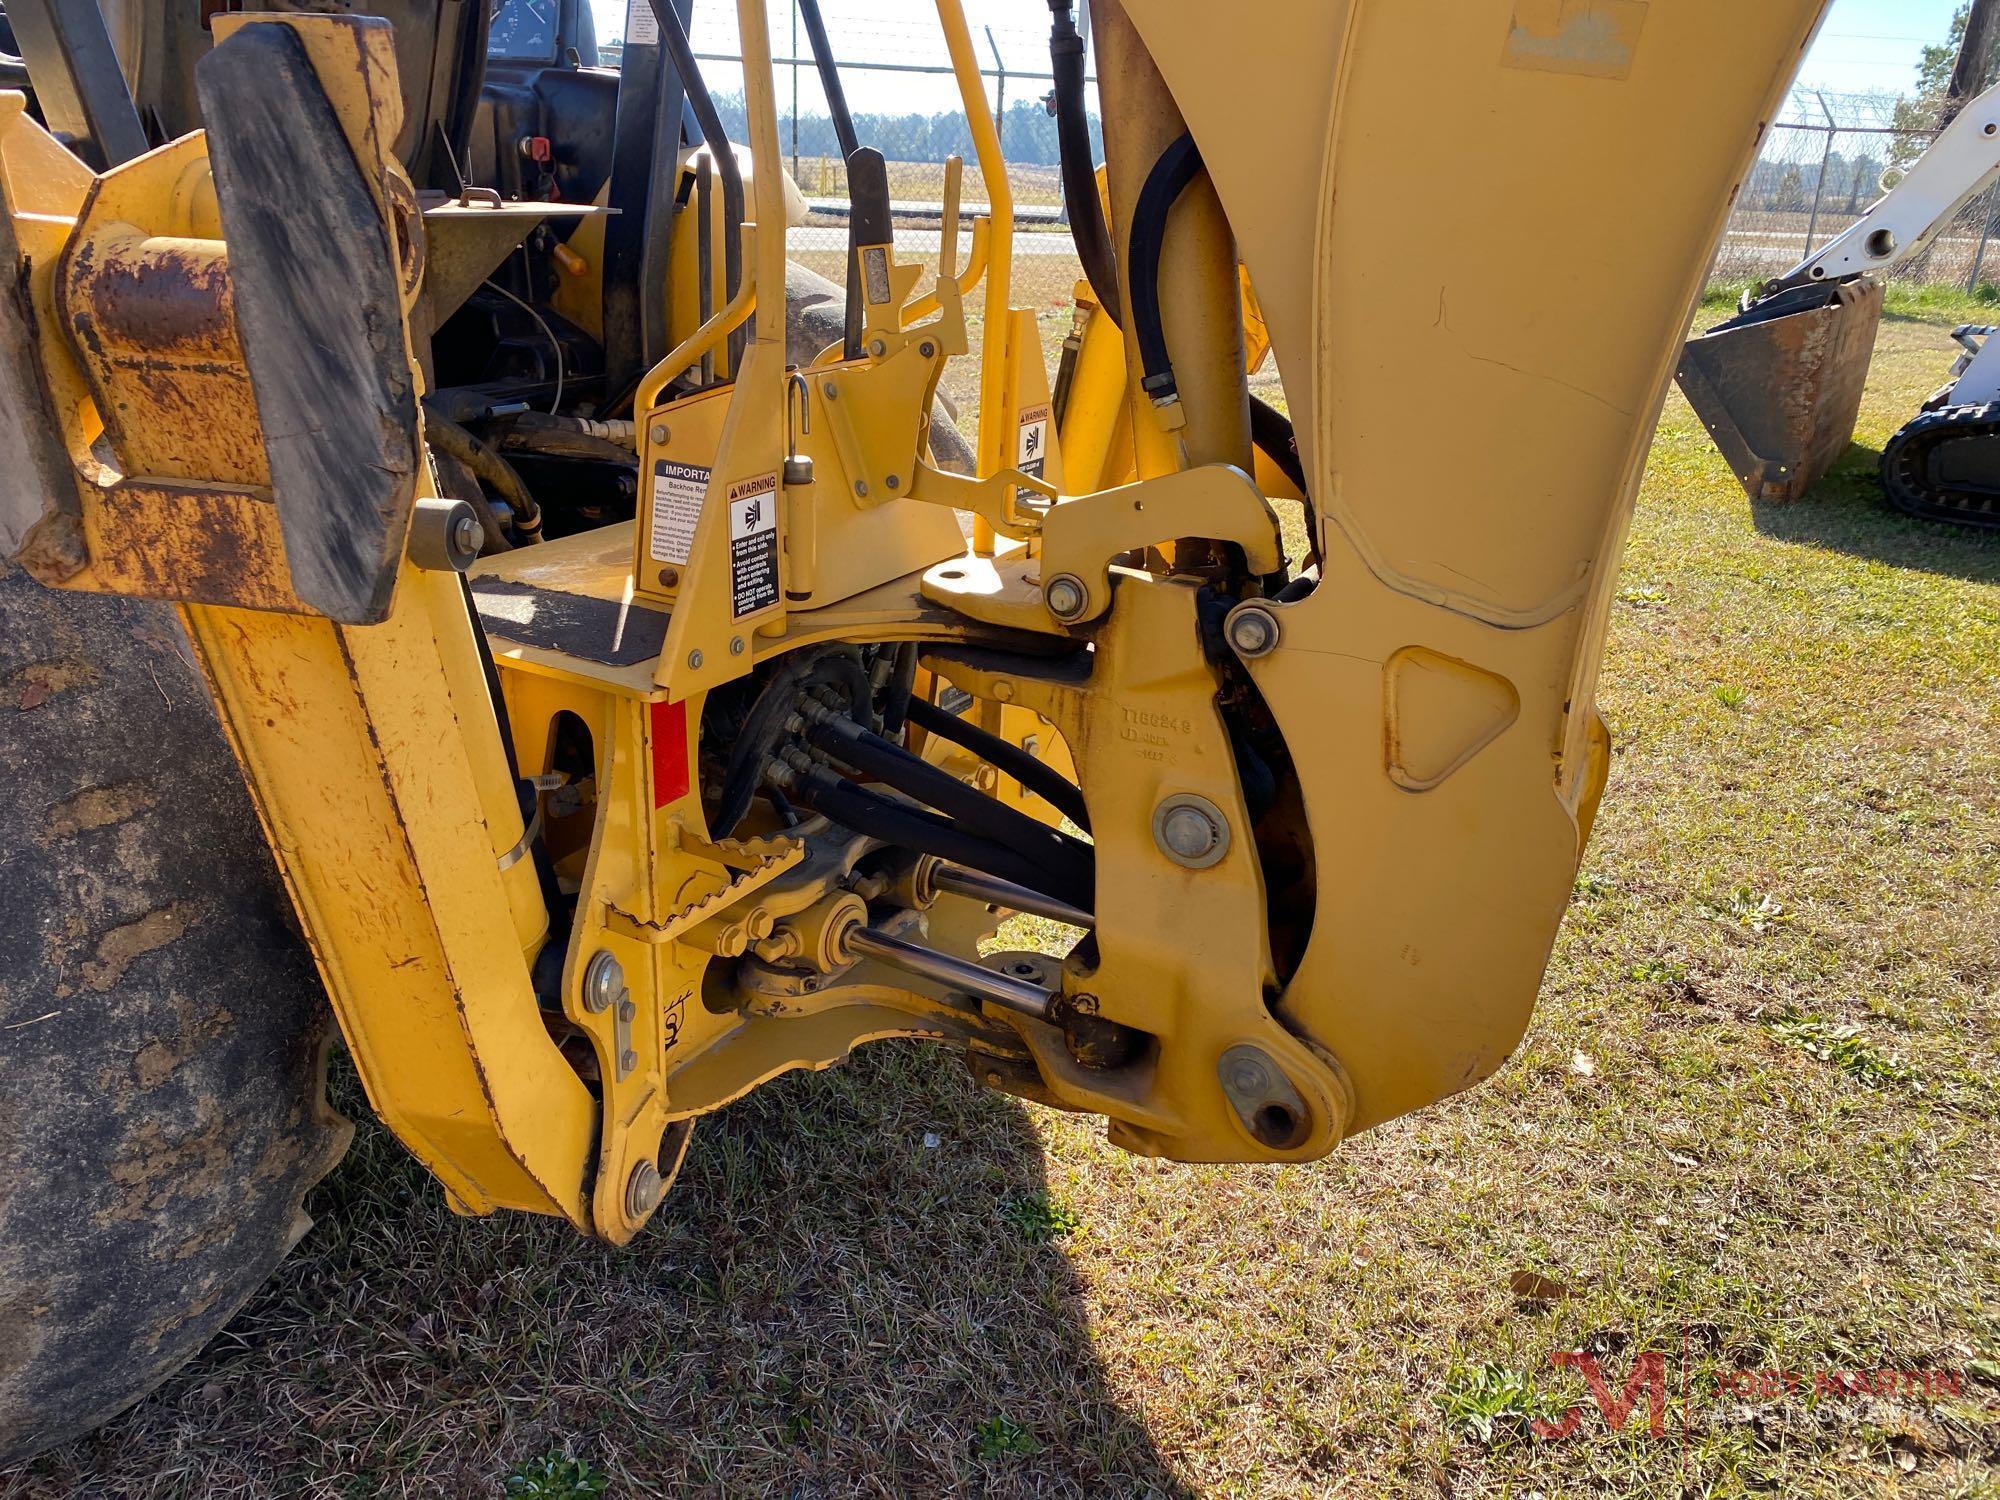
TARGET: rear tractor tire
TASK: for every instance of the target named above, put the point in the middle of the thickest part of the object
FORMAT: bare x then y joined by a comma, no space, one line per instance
163,1035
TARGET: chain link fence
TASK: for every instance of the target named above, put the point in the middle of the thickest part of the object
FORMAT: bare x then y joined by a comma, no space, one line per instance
916,144
905,101
1824,162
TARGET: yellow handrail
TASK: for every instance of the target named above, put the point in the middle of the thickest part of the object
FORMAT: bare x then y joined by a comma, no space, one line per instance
764,260
768,191
991,448
704,339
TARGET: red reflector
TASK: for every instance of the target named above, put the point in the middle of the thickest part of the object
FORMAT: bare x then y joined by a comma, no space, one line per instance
670,752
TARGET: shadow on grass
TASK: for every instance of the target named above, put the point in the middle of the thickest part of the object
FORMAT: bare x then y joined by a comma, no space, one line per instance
1847,512
825,1304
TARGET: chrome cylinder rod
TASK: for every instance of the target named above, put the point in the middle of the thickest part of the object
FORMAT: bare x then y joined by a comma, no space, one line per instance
975,885
1008,993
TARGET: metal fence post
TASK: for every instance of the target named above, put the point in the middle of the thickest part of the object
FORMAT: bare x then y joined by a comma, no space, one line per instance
1985,235
1819,187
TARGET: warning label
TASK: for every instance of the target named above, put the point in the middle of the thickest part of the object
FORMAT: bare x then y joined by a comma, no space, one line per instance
642,27
1031,451
677,495
753,544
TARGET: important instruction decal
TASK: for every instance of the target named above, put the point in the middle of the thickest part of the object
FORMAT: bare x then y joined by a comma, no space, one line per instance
753,544
642,27
678,490
1031,447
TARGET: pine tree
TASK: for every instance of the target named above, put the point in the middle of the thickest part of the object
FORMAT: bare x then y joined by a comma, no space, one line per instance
1918,112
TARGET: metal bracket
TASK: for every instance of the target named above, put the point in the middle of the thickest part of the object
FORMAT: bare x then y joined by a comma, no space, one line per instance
1081,537
78,82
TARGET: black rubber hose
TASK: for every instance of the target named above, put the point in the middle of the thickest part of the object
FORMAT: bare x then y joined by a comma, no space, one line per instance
1079,168
448,437
983,815
680,52
1178,166
524,789
843,132
870,221
916,777
909,828
1044,781
902,682
1065,378
829,78
844,663
765,725
1273,434
755,743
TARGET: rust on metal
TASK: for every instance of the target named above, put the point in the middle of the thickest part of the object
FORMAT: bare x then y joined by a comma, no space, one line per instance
199,544
1780,395
154,321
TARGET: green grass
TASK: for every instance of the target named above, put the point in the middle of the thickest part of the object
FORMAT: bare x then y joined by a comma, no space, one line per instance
1493,1404
556,1477
1039,1221
1755,1126
1902,300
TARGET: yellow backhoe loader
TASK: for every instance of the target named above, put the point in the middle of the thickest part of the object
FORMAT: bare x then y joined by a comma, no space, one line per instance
639,695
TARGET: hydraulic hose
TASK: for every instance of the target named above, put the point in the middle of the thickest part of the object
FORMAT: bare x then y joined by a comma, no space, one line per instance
829,78
907,827
974,809
843,132
1178,166
1044,781
1079,171
524,790
1273,435
765,727
680,52
902,682
1072,348
448,436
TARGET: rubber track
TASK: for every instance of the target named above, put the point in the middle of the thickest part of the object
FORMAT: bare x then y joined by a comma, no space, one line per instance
1906,465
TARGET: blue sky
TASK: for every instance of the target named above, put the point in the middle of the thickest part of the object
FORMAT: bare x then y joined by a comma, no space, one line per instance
1866,46
1871,45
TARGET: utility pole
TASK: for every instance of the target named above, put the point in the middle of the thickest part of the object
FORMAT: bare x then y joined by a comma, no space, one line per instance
1975,57
1000,109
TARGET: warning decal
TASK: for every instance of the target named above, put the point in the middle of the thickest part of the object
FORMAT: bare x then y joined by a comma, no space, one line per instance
678,490
1031,451
642,27
753,544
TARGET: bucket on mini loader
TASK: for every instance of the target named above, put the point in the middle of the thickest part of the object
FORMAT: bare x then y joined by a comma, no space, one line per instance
1779,386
